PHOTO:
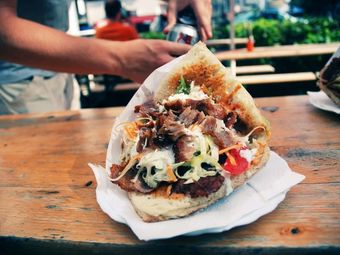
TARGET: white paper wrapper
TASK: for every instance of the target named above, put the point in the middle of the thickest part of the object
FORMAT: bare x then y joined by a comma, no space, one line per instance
259,196
322,101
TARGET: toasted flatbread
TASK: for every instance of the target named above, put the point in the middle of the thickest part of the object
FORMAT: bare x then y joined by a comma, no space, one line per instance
202,67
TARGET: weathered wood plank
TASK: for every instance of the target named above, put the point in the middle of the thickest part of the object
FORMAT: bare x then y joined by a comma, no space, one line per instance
73,214
47,191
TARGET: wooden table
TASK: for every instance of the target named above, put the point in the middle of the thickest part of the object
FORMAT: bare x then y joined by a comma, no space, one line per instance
47,191
279,51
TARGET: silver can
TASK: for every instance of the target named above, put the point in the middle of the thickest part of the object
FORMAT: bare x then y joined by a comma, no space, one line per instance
183,33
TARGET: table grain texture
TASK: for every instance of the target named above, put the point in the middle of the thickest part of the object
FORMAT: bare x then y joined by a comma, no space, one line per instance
47,191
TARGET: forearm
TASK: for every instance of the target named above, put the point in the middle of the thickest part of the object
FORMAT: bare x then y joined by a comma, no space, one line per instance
32,44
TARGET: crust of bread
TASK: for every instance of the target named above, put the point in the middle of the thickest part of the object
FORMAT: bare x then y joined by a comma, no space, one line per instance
155,207
160,206
201,66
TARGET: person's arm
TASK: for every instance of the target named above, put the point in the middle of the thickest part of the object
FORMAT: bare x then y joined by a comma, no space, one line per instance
29,43
202,10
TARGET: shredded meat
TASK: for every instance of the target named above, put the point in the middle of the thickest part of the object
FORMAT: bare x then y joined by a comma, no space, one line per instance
230,119
126,183
221,137
215,110
175,106
204,105
189,116
202,188
171,127
184,148
209,125
149,108
145,135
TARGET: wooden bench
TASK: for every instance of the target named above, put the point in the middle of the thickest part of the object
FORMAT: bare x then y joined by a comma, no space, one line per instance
127,86
276,78
254,69
219,42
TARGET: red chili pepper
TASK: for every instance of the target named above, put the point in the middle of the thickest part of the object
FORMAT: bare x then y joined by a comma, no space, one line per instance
238,165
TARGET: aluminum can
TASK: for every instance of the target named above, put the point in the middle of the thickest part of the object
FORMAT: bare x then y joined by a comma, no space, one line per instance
183,33
185,29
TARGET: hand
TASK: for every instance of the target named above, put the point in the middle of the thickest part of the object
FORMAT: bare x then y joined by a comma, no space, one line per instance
138,58
202,10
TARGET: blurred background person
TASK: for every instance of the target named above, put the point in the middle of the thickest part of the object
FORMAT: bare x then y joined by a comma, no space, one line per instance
114,27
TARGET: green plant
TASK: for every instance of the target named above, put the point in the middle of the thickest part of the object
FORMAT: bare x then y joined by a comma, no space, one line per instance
268,32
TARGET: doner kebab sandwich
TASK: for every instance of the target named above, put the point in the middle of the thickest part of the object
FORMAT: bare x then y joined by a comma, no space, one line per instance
329,80
198,139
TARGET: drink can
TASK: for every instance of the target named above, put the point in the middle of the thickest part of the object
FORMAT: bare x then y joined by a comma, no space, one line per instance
183,33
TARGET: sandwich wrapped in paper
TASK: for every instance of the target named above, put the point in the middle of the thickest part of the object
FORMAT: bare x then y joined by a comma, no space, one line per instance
191,142
329,80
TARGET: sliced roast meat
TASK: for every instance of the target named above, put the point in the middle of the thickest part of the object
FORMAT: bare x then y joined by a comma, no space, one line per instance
202,188
230,119
126,182
145,135
149,108
200,118
220,136
203,105
184,148
215,110
176,106
171,127
189,116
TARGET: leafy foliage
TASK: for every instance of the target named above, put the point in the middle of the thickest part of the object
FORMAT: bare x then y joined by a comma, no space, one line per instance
268,32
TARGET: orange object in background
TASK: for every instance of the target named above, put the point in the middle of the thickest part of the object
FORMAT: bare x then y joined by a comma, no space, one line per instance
115,31
250,43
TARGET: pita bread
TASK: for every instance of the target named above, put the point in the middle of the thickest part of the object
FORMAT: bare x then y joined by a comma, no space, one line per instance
202,67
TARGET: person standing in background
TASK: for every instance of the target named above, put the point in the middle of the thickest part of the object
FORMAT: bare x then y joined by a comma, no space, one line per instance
113,28
36,53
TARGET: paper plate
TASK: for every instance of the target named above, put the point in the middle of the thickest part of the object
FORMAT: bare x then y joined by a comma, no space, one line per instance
259,196
322,101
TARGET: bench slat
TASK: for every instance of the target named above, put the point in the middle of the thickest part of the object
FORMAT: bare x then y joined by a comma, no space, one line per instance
254,69
276,78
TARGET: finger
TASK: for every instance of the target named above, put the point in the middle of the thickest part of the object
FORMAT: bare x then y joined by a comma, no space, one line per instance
203,11
205,31
203,34
172,16
167,59
177,49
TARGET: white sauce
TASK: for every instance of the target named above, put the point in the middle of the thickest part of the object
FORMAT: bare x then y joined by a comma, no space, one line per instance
248,154
158,158
195,93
